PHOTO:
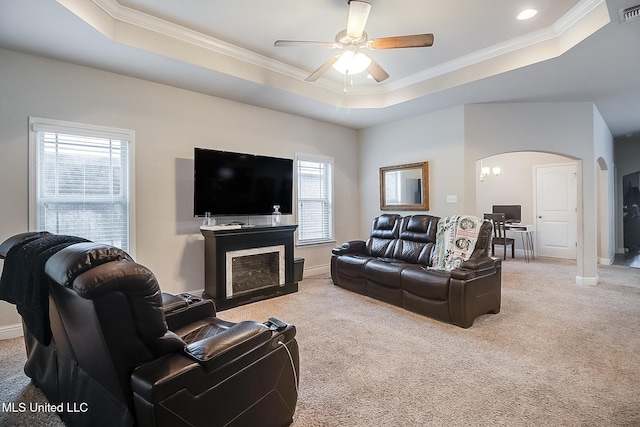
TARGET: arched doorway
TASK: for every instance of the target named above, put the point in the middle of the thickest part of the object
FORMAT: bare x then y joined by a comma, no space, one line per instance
516,185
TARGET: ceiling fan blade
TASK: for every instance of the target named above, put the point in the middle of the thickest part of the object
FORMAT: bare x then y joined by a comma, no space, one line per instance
358,15
290,43
377,72
416,40
322,69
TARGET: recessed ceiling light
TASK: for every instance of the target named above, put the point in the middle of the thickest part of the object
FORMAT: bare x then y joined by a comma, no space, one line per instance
527,14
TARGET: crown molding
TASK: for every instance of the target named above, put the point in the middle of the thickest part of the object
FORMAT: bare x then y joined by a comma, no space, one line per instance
562,26
107,16
157,25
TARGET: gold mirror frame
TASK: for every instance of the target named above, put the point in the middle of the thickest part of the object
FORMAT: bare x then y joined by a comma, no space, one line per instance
417,169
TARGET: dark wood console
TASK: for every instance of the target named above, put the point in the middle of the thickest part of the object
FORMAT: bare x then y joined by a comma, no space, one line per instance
248,264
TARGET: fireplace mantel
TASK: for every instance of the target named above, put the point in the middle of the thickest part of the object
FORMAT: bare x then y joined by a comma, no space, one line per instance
219,242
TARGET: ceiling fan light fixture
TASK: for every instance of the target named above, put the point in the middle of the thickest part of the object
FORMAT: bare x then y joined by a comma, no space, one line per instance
352,63
527,14
354,38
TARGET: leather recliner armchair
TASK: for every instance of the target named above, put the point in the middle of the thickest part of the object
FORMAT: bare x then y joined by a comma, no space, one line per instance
122,353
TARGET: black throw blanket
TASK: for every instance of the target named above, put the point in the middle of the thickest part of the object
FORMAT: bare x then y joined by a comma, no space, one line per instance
25,284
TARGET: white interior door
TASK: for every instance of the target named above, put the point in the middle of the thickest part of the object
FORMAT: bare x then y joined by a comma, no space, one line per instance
556,211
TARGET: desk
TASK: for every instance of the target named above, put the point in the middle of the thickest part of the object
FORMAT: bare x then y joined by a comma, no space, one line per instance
526,233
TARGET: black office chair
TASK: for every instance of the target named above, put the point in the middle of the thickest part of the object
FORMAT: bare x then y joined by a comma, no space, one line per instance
499,234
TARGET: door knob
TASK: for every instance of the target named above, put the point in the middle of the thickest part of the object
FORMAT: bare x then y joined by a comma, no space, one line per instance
539,216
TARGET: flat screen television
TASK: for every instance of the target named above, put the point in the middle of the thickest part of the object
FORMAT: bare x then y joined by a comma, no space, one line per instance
228,183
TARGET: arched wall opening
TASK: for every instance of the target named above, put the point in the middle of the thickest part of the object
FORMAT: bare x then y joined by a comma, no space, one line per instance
516,183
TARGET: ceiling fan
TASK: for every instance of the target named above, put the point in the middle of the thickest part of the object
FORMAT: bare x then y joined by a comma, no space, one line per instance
352,40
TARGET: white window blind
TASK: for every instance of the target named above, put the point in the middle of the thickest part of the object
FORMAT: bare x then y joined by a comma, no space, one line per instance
392,188
315,199
82,181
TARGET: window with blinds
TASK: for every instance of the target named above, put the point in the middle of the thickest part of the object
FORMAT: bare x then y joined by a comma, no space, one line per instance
81,181
315,199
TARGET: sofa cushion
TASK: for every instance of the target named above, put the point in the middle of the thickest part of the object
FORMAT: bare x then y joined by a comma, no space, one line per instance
419,228
384,222
385,271
413,252
352,265
377,247
137,283
416,241
384,233
426,283
72,261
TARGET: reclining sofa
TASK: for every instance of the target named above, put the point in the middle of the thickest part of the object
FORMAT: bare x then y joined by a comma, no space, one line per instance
107,348
396,265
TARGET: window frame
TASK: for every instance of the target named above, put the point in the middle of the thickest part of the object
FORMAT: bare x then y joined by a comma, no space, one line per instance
37,124
331,229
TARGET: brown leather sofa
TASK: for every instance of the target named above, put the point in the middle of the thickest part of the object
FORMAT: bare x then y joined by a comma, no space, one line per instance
395,265
112,350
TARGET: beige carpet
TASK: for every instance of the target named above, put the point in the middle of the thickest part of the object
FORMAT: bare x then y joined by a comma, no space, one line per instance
557,354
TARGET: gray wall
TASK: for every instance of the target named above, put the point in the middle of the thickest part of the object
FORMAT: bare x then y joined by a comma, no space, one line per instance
168,123
437,138
455,139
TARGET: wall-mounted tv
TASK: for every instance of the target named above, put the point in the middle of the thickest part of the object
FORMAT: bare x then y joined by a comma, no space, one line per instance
227,183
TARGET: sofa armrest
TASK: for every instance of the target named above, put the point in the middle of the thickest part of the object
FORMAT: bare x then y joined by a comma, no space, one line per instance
474,292
477,263
225,346
189,313
166,375
351,247
176,390
475,266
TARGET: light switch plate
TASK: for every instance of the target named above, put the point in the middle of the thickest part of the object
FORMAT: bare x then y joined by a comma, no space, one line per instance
452,198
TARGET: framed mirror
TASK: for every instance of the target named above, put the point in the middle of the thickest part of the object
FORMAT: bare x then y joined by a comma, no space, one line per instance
405,187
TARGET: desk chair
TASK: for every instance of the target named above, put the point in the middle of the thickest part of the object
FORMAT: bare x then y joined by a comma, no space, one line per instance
500,235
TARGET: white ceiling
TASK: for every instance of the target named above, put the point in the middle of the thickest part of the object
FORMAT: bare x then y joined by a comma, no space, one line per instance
573,50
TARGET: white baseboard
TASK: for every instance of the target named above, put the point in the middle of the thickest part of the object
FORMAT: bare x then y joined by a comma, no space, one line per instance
587,281
606,261
312,271
11,331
